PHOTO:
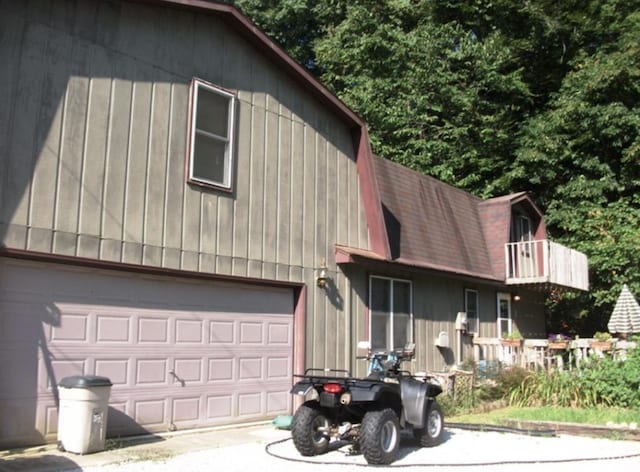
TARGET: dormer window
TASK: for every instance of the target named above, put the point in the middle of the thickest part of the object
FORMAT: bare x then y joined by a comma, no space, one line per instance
522,229
212,135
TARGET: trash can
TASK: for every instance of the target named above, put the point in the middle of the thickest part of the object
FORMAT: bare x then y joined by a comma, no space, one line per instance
82,417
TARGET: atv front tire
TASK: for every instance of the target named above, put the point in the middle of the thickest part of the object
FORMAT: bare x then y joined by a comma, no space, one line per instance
380,436
431,434
309,430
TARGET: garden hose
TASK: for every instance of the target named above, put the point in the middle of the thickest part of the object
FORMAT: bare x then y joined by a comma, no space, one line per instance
469,427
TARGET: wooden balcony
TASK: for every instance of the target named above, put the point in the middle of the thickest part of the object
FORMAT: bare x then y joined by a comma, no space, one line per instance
546,262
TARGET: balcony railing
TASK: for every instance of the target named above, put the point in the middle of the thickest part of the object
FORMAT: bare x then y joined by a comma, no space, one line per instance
546,262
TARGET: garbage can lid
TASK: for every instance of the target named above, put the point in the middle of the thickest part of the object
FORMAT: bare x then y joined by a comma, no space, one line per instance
85,381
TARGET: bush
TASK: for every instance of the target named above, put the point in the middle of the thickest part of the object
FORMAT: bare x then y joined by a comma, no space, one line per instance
614,382
500,385
599,382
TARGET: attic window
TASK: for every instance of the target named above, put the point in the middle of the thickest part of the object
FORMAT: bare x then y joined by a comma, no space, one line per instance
212,135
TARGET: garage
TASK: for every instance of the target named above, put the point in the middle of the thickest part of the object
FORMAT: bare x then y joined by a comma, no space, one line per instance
181,352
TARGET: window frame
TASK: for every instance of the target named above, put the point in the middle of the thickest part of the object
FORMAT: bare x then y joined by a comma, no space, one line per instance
473,321
229,155
410,336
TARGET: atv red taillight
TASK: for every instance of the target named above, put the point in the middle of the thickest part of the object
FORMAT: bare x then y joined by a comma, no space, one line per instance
332,388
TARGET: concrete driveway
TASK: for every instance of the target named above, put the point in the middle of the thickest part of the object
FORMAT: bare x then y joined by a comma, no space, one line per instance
264,447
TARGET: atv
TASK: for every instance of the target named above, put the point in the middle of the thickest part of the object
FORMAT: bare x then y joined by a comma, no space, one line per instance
367,413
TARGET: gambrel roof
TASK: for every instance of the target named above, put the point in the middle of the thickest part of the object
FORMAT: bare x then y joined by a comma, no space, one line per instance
432,225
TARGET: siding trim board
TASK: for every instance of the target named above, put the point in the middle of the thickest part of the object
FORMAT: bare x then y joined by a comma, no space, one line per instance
142,269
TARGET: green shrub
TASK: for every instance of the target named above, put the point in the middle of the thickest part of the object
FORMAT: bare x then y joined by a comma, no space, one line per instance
555,388
614,382
500,385
599,382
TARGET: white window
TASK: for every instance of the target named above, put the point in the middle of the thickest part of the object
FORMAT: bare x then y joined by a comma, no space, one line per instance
212,135
471,307
504,314
391,322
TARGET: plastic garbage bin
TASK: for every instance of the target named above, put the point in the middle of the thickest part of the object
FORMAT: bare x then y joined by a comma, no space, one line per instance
82,417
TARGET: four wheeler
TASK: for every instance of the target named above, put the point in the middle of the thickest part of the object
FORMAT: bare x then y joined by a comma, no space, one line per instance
367,412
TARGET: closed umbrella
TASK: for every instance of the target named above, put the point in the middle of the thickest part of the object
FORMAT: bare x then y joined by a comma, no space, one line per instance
625,318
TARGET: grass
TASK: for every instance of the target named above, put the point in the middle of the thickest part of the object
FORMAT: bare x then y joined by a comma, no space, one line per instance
594,416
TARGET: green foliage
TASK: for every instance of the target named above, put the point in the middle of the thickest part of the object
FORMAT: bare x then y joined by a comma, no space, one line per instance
594,416
555,388
435,97
614,382
500,386
515,334
599,382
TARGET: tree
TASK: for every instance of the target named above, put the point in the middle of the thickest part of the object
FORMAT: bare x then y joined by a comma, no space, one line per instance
581,160
435,97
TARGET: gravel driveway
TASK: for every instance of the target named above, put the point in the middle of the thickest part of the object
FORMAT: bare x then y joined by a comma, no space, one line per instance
462,450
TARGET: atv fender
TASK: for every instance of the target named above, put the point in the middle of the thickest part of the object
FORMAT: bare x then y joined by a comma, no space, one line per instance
414,401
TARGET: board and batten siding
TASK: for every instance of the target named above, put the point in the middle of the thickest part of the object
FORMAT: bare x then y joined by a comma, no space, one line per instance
94,104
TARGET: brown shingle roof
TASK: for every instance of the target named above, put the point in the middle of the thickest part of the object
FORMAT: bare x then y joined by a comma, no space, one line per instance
430,223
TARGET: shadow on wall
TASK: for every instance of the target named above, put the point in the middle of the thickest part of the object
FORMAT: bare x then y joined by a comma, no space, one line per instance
333,293
24,326
447,355
121,424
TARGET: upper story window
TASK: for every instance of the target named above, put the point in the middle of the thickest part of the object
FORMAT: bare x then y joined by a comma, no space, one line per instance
391,320
522,228
212,135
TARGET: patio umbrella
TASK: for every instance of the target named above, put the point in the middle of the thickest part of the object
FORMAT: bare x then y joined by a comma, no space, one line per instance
625,318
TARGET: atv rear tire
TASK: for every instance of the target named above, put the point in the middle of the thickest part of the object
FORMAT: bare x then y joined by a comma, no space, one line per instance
431,434
307,430
380,436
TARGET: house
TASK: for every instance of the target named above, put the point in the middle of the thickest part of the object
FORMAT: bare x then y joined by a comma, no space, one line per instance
187,211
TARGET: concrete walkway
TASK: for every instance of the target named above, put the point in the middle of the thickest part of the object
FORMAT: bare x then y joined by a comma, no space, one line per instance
241,448
140,448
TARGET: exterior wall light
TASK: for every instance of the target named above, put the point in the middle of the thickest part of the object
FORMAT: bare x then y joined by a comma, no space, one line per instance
321,279
516,297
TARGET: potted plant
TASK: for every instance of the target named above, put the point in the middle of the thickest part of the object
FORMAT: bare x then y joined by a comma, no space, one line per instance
601,340
558,341
513,339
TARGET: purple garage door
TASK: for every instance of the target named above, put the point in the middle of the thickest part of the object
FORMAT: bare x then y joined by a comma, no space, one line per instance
181,353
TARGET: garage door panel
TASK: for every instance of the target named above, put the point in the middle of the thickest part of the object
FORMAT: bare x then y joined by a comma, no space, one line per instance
150,412
221,332
151,371
189,331
153,330
117,370
192,353
113,329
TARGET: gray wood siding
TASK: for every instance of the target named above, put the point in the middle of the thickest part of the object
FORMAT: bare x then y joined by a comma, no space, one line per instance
94,101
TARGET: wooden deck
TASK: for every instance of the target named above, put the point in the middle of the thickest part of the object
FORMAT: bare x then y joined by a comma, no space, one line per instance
534,354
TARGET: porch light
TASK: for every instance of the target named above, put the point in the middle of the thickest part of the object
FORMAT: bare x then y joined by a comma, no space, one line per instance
321,279
516,297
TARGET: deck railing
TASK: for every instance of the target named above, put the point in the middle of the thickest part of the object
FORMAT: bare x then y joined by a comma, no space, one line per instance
545,354
543,261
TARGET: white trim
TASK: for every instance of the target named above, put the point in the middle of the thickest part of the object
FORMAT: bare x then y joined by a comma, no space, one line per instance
229,140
